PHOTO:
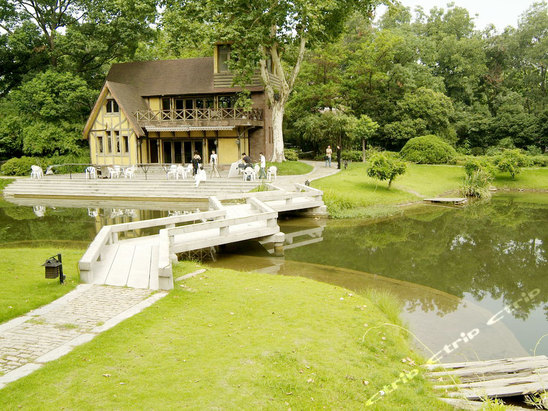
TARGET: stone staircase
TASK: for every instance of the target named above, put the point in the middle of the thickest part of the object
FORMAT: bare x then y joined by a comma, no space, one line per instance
128,189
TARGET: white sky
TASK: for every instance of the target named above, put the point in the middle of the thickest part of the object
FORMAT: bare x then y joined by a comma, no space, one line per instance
501,13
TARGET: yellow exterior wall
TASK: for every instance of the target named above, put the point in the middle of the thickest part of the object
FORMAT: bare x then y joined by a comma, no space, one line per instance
154,103
112,122
227,150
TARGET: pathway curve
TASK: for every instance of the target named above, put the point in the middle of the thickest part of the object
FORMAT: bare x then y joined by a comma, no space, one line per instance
319,171
49,332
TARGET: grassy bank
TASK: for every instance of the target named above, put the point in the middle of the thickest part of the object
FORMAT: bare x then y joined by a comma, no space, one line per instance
235,340
24,286
289,168
352,194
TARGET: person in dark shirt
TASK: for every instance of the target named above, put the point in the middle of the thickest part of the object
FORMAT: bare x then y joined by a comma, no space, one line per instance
246,159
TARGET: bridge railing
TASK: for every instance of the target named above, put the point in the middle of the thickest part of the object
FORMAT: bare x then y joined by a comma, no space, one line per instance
110,234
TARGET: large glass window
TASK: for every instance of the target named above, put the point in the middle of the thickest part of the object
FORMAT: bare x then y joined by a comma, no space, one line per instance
100,144
117,141
223,55
109,142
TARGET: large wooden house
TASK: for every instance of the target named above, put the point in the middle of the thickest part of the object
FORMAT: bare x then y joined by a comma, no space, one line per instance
163,111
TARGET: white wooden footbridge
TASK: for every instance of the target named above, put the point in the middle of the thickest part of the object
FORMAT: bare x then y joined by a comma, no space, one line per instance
146,261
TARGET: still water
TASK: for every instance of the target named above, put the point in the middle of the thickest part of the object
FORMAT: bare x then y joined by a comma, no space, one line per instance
480,269
455,269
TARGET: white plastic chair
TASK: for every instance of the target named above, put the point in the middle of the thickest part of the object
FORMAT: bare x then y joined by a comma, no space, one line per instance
91,172
112,173
249,174
256,169
36,172
181,172
272,173
172,172
129,172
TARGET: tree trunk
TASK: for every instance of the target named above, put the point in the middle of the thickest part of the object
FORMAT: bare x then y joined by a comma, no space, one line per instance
277,132
364,147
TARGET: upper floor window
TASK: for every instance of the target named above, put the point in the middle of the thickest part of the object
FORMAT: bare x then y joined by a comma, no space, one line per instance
223,55
112,106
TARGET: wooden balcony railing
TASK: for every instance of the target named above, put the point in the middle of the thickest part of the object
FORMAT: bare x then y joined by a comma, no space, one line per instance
199,114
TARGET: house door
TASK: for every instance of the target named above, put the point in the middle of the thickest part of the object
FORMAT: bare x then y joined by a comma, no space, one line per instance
167,152
153,151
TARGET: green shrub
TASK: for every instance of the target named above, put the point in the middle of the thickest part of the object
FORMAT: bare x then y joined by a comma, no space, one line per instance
291,154
476,184
533,150
538,161
428,149
20,166
511,161
352,155
385,166
475,164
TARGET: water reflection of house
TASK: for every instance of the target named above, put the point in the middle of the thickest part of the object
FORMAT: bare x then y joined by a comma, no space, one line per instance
162,111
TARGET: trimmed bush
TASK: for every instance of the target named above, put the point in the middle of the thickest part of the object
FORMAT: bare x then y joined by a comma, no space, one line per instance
428,149
20,166
291,154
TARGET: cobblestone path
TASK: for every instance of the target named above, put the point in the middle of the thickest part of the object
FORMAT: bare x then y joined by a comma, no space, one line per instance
52,331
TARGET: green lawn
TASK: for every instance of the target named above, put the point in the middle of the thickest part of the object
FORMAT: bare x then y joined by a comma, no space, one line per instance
352,194
230,340
528,179
24,286
289,168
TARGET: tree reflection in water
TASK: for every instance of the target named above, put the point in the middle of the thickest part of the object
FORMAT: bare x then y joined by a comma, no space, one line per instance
496,249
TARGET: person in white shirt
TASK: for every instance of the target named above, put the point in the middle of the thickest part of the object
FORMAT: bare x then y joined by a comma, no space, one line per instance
213,159
262,161
200,176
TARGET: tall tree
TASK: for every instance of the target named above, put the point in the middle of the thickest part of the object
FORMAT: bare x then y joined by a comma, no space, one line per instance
276,31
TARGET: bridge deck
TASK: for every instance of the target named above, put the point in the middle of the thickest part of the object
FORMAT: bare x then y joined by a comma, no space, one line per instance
145,262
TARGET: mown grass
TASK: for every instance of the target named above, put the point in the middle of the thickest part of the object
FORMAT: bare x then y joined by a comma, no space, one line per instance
352,194
24,286
230,340
288,168
528,179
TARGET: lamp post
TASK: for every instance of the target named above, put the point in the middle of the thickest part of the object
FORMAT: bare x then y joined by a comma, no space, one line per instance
54,268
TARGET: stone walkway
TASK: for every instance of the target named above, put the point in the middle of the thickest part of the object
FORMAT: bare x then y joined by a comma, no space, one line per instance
49,332
319,171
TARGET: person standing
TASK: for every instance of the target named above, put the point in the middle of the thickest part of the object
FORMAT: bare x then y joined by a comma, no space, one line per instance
213,159
195,163
262,161
328,153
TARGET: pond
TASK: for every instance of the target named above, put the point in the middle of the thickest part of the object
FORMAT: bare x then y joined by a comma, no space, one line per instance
455,269
476,271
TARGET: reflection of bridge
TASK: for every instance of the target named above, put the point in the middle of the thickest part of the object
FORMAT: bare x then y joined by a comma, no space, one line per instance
145,261
298,238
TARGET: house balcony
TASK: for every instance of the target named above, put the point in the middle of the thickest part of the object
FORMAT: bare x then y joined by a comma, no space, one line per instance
199,118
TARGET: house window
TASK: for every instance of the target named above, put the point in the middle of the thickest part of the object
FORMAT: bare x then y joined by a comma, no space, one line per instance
117,140
109,142
223,55
166,103
126,143
226,102
112,106
100,144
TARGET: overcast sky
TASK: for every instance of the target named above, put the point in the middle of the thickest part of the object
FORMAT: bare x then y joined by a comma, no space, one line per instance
501,13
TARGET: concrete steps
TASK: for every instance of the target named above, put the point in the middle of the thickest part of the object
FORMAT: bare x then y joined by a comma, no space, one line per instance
132,189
